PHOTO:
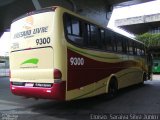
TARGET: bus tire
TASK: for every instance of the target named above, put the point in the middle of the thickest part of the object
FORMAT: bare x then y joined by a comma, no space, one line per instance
144,79
113,88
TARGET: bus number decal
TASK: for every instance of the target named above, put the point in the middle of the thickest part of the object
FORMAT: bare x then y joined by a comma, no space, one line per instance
41,41
76,61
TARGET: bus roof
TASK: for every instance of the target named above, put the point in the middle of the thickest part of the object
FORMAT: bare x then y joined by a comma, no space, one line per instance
53,8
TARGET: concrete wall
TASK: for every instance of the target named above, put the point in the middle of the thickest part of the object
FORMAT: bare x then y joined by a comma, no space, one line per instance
4,72
138,20
93,9
4,66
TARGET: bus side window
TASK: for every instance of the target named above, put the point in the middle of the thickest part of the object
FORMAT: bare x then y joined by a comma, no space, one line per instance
142,50
68,24
119,43
102,35
108,41
138,49
124,45
114,40
92,33
134,48
76,27
73,28
130,47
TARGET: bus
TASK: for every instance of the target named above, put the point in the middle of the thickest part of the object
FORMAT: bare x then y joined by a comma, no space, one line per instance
58,54
156,66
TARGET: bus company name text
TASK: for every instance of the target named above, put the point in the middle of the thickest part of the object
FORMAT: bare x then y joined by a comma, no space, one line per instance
29,33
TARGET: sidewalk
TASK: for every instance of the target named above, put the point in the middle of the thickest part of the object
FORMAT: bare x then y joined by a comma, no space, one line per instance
156,77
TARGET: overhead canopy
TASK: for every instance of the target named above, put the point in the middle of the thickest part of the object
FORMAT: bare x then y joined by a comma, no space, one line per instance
10,9
140,24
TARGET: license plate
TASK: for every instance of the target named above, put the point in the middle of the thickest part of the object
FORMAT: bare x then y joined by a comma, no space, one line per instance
29,84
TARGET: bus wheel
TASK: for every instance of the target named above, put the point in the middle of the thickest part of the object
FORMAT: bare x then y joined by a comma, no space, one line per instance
144,79
112,88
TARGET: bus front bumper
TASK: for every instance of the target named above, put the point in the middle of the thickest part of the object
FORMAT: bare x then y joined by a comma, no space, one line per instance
57,91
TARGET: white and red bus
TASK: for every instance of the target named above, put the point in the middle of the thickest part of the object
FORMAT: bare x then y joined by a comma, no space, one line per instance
58,54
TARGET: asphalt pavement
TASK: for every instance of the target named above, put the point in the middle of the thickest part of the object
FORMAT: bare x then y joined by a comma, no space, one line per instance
136,102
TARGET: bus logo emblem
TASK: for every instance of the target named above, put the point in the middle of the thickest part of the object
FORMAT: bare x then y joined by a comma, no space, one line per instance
28,22
31,61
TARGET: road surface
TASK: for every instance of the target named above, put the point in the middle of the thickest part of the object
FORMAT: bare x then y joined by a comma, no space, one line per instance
135,102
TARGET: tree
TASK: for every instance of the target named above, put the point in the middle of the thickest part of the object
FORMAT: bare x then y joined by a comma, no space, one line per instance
149,39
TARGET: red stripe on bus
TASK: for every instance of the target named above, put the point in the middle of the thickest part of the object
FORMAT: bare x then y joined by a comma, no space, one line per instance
57,91
92,70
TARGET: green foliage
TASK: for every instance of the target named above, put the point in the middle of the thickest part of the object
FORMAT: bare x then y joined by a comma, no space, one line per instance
149,39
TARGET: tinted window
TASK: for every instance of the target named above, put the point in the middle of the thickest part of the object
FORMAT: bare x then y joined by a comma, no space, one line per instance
68,25
124,45
73,28
88,35
108,41
138,49
119,43
102,35
142,50
134,48
92,33
130,50
76,27
113,40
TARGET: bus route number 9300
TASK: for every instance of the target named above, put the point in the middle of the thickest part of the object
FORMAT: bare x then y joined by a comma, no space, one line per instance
42,41
76,61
